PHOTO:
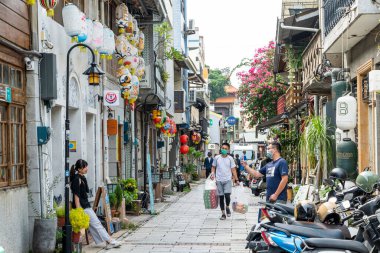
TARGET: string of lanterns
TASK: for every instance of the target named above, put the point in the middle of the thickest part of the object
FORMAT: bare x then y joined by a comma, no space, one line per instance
166,125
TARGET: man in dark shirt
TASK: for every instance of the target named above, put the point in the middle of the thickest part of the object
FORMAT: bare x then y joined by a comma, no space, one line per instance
208,164
276,173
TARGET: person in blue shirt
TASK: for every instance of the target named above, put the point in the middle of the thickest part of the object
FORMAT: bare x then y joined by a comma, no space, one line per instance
276,173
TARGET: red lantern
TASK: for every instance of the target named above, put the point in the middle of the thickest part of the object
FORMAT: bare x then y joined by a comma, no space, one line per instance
184,139
184,149
157,120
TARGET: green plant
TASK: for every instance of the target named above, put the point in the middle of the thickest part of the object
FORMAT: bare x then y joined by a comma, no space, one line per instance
79,219
187,189
166,40
164,76
129,197
60,211
129,184
316,145
190,168
289,140
132,226
118,196
292,58
195,176
112,198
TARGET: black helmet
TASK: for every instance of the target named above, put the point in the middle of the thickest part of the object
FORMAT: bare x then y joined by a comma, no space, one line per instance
338,173
305,210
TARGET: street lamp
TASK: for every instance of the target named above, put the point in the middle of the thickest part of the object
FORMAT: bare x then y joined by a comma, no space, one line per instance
93,74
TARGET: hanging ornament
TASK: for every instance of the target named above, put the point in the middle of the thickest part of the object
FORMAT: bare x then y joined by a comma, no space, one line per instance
129,28
131,91
97,35
184,149
141,44
124,76
194,137
89,29
122,17
72,20
131,62
108,47
30,2
49,5
184,139
82,37
124,47
140,71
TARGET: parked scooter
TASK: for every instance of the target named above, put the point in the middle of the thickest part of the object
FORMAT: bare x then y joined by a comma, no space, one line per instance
178,179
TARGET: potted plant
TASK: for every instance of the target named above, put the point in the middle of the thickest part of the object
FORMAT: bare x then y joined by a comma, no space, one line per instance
118,199
79,220
112,198
60,212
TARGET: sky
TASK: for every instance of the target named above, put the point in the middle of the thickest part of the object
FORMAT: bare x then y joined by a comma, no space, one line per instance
233,29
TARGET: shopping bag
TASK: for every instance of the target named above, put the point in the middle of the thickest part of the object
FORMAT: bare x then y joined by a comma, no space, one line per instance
240,200
210,194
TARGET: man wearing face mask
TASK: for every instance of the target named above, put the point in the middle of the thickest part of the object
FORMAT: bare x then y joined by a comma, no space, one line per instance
276,173
224,169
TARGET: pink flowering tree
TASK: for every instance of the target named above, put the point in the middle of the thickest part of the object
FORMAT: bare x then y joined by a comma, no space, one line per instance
258,91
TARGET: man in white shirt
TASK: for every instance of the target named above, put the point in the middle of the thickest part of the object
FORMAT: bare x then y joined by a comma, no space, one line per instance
224,169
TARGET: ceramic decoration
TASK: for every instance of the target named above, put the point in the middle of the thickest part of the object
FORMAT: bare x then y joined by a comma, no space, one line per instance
131,91
124,76
141,44
97,35
72,20
82,37
140,71
108,47
122,17
89,29
49,5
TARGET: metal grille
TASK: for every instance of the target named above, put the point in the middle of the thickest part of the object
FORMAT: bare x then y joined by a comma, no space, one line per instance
334,10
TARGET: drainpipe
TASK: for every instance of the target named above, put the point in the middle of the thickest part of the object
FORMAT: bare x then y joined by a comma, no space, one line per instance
297,28
19,49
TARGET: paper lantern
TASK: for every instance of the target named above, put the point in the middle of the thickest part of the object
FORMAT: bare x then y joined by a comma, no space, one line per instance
124,76
72,20
346,107
89,29
374,80
49,5
131,62
140,71
184,149
129,28
141,44
108,47
184,139
131,91
194,137
97,35
124,47
82,37
122,16
157,120
30,2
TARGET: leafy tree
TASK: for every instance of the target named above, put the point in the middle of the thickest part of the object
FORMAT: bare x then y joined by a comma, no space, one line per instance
217,81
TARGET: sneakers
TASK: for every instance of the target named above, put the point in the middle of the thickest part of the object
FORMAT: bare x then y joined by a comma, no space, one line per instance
223,217
228,211
113,244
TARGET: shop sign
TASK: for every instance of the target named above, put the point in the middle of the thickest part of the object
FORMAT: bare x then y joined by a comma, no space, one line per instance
73,146
231,120
111,97
6,94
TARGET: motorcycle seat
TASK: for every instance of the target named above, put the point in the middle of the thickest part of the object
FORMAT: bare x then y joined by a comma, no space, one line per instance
311,232
287,207
326,243
319,225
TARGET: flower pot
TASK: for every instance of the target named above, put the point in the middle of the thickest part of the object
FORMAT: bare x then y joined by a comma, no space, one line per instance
75,237
60,221
44,235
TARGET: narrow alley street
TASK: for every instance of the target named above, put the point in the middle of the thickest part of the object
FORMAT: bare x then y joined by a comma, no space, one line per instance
186,226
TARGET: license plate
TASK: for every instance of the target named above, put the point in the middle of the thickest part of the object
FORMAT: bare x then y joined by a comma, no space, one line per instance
182,182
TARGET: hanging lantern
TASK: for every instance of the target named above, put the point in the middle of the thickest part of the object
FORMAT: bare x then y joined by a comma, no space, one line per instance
124,47
97,35
131,62
129,28
49,5
346,113
82,37
374,80
141,44
131,91
30,2
122,17
347,157
124,76
194,137
89,30
108,47
184,139
184,149
140,71
72,20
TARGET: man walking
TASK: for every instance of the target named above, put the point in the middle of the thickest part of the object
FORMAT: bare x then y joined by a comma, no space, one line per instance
208,163
224,169
238,165
276,173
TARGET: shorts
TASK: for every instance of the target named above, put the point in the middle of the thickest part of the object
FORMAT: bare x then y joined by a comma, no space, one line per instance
224,187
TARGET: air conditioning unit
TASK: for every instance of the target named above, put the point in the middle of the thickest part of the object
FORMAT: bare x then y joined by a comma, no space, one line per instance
191,27
179,101
145,82
211,146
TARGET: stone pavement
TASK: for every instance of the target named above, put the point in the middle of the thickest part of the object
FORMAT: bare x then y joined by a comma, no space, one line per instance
186,226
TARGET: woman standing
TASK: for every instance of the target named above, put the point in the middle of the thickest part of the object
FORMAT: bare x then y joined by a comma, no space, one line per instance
79,188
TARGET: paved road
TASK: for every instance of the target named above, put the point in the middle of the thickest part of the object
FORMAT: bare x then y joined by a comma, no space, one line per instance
187,227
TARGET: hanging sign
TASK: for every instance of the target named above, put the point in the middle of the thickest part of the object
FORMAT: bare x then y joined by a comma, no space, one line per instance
6,94
111,97
73,146
231,120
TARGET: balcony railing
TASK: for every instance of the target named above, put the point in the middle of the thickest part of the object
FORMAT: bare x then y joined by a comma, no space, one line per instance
334,11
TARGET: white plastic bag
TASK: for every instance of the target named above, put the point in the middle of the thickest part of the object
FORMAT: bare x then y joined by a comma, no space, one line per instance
240,200
210,194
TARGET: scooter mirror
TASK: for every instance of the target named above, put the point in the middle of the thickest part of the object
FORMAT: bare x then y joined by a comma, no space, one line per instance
346,204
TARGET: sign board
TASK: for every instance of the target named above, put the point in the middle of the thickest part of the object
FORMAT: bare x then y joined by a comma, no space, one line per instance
231,120
6,94
73,146
211,146
111,97
102,194
302,193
